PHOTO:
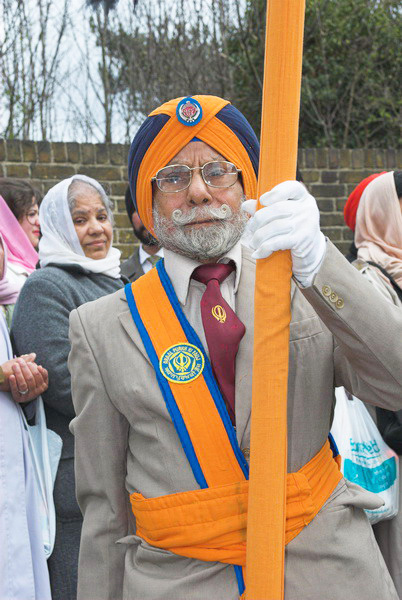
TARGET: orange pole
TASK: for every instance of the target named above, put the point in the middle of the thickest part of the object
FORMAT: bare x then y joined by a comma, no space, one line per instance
268,456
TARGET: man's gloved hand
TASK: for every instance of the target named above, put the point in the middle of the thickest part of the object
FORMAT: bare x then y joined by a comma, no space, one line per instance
289,220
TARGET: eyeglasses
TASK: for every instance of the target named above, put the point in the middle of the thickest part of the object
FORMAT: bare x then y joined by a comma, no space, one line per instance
176,178
32,215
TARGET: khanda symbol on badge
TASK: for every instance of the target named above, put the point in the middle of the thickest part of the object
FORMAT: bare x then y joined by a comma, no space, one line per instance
182,362
219,313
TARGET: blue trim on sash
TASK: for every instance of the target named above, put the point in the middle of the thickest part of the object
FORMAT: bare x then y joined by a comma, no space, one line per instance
240,579
208,374
334,447
166,392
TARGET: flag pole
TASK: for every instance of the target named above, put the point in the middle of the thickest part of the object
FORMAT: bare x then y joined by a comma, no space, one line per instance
268,456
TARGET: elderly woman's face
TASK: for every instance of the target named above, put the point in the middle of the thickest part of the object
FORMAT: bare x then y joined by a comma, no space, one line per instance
91,222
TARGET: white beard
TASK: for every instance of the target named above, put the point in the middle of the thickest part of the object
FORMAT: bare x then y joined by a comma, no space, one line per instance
200,243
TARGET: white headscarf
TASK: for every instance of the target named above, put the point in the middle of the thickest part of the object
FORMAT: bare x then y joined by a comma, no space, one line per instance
59,243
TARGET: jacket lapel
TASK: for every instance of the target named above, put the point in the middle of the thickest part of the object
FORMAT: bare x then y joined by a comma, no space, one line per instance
126,321
245,312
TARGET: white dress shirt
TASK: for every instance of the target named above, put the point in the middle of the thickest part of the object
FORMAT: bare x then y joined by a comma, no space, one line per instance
143,258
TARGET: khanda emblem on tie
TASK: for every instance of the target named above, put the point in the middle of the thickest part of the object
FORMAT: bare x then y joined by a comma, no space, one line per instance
219,313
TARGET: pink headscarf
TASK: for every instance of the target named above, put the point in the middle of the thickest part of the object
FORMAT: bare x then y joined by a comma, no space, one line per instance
20,249
8,291
378,233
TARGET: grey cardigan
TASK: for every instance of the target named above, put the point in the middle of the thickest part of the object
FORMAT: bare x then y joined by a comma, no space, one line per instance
40,324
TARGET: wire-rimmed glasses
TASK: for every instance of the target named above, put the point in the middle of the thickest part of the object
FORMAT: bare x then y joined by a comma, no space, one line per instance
216,173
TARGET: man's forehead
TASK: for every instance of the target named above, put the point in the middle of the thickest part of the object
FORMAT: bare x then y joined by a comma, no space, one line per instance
195,151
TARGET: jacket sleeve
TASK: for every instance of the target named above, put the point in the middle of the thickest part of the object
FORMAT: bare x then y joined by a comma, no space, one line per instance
367,330
390,426
40,324
100,467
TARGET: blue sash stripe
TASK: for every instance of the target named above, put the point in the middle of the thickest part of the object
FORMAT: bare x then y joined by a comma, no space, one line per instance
333,445
208,374
166,392
240,579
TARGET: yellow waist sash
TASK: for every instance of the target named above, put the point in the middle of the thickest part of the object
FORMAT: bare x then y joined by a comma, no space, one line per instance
209,523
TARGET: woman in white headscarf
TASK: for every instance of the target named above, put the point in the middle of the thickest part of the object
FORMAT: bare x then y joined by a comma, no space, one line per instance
78,264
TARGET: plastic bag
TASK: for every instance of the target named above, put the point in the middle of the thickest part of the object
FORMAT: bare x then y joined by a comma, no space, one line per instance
45,449
366,458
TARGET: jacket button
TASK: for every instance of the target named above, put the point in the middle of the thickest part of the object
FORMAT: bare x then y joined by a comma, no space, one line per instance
326,290
246,453
340,303
333,297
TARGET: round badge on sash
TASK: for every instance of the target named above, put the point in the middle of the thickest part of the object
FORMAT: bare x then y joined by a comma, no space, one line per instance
182,363
189,111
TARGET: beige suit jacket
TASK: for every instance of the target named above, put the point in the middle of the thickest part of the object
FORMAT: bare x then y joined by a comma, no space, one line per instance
126,442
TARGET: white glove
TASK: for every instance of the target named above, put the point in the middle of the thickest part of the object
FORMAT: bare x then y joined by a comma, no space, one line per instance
290,220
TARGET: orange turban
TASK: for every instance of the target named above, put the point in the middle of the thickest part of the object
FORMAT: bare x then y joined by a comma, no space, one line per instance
172,126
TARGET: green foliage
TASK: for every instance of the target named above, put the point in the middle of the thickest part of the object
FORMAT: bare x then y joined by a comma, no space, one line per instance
351,72
170,50
351,63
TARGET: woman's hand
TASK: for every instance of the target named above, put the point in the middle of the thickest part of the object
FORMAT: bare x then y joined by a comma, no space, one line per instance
24,378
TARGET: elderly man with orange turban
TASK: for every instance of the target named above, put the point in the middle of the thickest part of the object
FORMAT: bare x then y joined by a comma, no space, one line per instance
163,405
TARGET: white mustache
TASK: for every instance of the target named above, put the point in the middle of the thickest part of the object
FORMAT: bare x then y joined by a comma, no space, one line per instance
201,213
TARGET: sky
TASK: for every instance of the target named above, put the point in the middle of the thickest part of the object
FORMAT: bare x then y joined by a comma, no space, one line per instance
76,114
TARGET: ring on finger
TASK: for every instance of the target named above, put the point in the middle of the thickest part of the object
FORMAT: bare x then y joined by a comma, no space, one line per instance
23,392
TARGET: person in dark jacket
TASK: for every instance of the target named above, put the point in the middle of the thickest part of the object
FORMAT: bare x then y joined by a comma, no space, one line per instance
147,253
78,264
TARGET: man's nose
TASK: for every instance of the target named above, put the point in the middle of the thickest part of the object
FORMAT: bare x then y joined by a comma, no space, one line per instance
198,192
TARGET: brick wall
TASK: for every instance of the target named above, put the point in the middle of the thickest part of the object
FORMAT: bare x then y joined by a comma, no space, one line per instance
330,175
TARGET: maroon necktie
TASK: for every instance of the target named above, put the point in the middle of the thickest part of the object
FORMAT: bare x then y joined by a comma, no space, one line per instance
223,329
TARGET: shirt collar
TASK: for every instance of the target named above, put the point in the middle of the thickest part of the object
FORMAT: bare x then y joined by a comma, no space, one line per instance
143,255
180,268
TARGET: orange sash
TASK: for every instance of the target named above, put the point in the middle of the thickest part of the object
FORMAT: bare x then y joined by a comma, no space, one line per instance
209,523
